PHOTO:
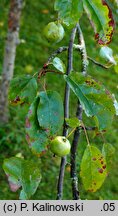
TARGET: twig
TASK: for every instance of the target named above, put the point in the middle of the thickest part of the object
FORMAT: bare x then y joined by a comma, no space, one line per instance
66,113
58,51
55,53
73,156
65,48
82,127
44,71
97,63
82,50
89,128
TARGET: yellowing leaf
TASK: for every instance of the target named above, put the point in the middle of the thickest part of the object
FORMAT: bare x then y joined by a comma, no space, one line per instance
101,18
93,169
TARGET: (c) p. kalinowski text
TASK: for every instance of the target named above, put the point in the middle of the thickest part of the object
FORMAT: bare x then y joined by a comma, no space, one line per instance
62,207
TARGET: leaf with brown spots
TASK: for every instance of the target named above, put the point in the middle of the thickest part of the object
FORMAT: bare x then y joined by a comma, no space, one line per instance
92,172
23,89
93,98
101,19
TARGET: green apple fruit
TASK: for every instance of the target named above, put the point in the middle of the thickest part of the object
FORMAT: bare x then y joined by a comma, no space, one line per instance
29,68
54,32
60,146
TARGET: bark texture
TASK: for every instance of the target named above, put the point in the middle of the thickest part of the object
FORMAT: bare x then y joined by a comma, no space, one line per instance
12,41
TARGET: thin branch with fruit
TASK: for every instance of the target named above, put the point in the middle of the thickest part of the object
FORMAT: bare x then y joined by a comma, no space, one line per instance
48,113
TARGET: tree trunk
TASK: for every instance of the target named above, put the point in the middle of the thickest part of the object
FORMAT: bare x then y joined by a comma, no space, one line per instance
9,55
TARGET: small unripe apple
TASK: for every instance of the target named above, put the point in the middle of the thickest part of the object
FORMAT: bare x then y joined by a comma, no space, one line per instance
54,32
60,146
29,68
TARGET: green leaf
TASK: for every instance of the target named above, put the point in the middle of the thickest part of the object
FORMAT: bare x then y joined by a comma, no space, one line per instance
58,64
69,11
96,101
93,169
73,122
116,66
50,111
100,16
13,166
23,195
22,89
30,178
22,173
44,119
36,137
115,104
79,93
108,152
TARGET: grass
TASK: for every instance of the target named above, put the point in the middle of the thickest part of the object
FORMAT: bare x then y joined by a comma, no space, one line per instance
32,53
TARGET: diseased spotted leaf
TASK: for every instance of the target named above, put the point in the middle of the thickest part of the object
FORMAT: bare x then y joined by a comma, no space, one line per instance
101,18
22,89
69,11
96,101
93,169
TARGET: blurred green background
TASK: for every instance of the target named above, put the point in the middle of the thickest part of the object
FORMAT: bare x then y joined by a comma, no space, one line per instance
32,53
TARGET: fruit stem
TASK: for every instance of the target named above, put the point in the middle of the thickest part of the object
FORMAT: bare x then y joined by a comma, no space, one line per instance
71,133
82,124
